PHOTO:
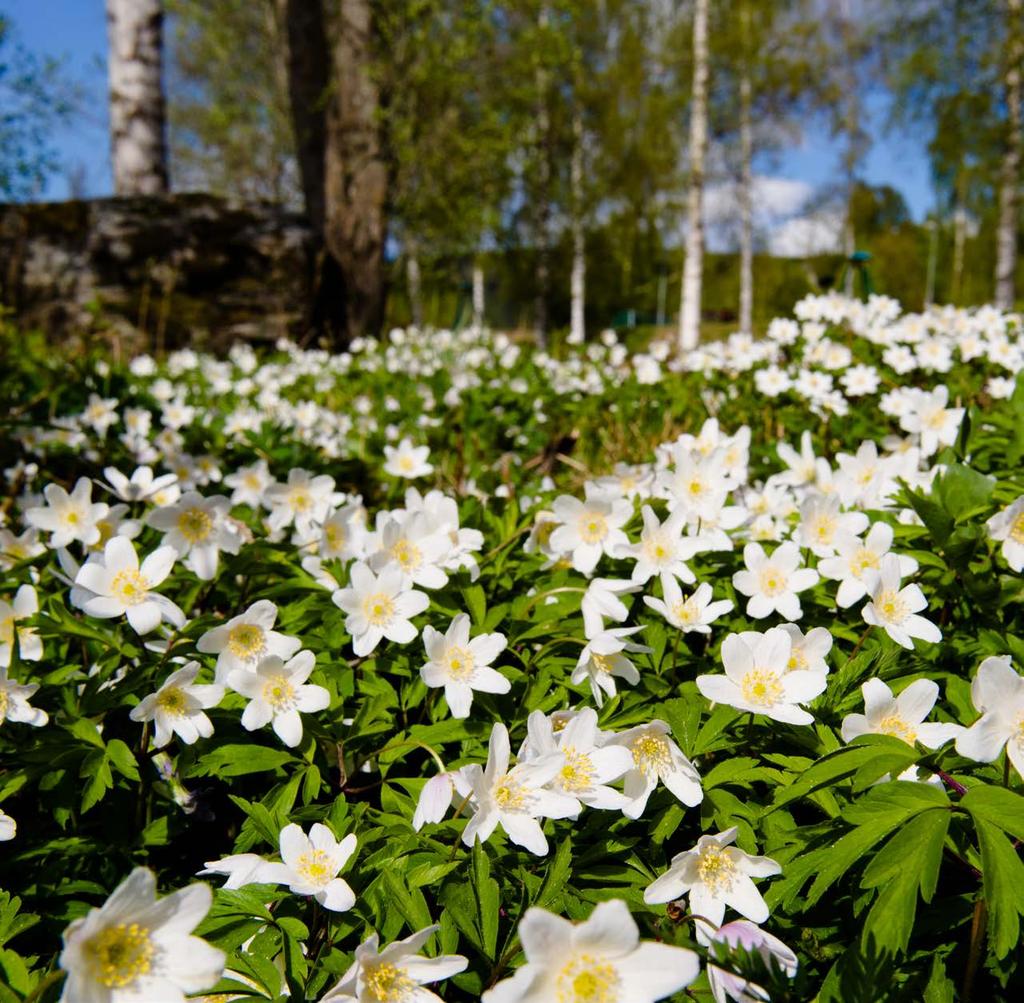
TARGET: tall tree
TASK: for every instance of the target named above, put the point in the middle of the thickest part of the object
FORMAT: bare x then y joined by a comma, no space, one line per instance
230,124
138,127
693,267
1009,180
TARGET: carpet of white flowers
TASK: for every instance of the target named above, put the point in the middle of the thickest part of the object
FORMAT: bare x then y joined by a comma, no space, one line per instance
448,669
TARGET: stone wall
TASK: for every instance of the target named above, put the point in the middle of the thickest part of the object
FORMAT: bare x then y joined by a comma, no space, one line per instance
157,271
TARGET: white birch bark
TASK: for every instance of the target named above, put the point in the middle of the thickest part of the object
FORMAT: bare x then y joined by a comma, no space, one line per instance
413,283
138,140
693,267
578,277
746,192
959,242
478,294
1006,233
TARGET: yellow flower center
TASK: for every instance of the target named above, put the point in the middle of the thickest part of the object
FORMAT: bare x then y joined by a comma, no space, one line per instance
508,794
246,641
172,701
388,984
603,664
279,693
379,609
130,587
862,561
334,535
824,529
300,500
4,704
936,419
195,524
316,867
585,979
406,464
252,481
1017,529
761,687
890,607
72,517
651,753
593,527
686,611
7,630
656,549
578,772
460,663
120,955
772,580
407,554
797,660
695,487
894,725
716,869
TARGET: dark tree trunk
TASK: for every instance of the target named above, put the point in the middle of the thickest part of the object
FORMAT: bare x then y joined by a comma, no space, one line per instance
308,71
356,184
335,104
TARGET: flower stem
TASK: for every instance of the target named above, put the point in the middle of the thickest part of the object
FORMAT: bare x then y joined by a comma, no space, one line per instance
47,981
974,951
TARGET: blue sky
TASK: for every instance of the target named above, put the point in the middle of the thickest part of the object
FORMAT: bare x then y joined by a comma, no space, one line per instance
76,30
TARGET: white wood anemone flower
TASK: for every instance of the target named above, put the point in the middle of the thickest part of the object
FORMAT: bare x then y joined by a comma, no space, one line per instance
198,529
601,959
278,694
310,865
240,869
30,646
998,693
120,586
136,948
758,677
397,973
378,607
857,559
772,581
900,716
513,798
407,460
8,827
177,707
590,528
245,640
694,613
895,609
462,665
656,757
588,767
749,936
714,874
68,517
602,660
14,702
1007,528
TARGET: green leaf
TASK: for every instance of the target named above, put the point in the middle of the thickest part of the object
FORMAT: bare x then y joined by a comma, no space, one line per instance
998,806
238,761
962,491
916,847
488,900
1003,882
123,759
476,604
557,875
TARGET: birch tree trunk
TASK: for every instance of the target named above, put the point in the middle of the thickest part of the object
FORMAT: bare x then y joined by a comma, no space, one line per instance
959,240
478,294
933,256
356,174
693,267
849,245
746,192
138,133
412,277
542,204
578,277
1006,234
